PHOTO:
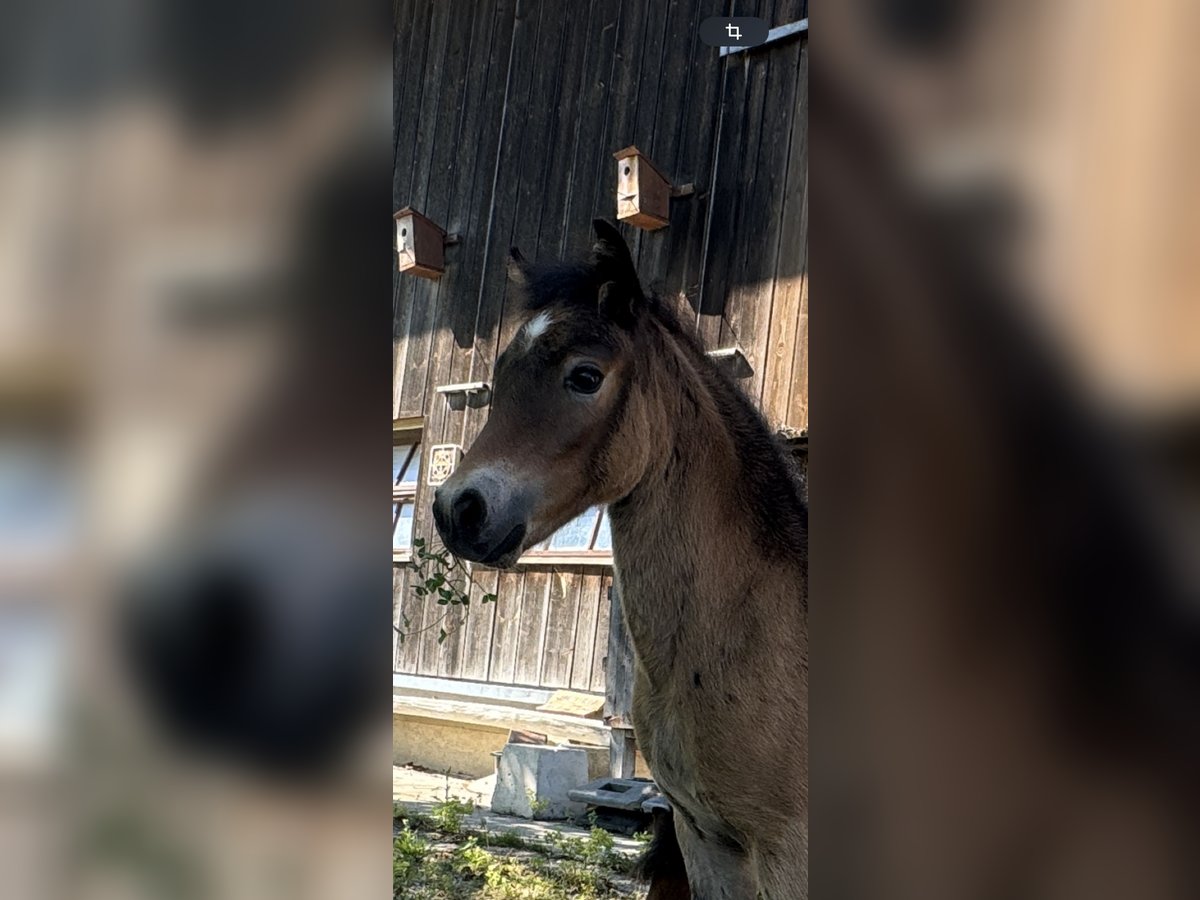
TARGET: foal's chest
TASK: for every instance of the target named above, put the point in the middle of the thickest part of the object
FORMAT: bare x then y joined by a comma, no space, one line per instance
680,752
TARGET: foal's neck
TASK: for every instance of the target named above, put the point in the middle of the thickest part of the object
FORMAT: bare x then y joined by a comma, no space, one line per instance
683,538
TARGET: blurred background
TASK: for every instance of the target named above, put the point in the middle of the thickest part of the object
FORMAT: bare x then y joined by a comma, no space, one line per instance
193,276
1004,394
1005,463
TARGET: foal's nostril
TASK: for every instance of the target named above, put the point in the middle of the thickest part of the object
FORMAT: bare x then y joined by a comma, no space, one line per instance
439,516
469,512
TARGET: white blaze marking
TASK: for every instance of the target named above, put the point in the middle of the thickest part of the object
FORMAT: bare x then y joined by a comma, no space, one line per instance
537,327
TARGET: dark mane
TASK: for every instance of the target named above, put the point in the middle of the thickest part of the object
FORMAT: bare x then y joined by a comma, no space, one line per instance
768,482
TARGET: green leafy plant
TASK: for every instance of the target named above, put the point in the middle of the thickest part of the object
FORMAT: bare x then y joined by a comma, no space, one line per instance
409,850
447,815
437,865
445,578
473,859
537,805
597,849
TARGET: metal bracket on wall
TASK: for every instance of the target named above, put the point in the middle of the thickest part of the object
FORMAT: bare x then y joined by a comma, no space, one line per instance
459,396
733,361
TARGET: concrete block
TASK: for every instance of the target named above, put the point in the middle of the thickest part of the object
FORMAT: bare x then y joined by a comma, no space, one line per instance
533,781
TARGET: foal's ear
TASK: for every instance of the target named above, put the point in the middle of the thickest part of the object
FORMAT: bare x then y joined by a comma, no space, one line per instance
612,258
517,266
617,304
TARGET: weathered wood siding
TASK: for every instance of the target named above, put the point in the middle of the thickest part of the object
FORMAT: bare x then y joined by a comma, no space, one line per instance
507,114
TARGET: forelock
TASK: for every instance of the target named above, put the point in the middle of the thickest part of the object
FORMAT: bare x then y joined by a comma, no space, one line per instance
573,284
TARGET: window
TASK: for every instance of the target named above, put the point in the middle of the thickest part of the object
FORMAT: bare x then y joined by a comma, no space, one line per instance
586,539
406,472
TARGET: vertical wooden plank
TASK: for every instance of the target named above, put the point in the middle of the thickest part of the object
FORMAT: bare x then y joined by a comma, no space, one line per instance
434,180
618,691
798,403
564,133
453,191
409,651
585,631
649,87
797,414
592,160
600,648
621,105
637,20
430,188
519,223
476,642
652,75
411,33
401,14
622,753
750,308
447,654
418,306
618,668
511,593
413,47
791,264
532,628
473,152
724,188
695,160
401,310
562,616
436,77
399,592
671,89
741,231
447,199
476,335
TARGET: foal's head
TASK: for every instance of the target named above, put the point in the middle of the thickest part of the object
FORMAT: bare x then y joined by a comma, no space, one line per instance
567,430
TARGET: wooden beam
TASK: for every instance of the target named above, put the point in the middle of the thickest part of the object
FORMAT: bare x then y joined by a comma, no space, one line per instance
622,754
407,424
566,559
557,727
618,667
507,693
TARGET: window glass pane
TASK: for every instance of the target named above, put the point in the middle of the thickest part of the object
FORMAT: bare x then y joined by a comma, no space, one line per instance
402,532
604,535
576,534
400,454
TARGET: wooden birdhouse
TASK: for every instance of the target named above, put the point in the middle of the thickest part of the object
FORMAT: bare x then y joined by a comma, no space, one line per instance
420,244
643,192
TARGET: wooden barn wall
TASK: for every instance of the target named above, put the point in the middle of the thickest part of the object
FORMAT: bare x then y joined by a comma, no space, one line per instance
506,117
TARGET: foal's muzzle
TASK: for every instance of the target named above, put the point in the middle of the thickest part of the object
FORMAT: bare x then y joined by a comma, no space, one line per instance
481,518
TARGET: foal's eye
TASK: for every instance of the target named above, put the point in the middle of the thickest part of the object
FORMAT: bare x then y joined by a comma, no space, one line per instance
585,379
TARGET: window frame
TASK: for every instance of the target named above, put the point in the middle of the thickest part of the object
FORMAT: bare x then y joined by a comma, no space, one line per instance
406,493
572,557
